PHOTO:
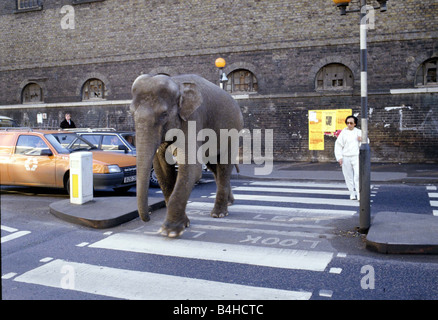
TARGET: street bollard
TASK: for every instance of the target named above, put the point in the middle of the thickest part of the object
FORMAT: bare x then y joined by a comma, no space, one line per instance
81,177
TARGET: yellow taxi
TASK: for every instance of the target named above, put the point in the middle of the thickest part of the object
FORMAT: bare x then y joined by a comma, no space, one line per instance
41,158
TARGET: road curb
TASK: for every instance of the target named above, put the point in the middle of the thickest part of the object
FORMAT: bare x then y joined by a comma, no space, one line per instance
101,212
403,233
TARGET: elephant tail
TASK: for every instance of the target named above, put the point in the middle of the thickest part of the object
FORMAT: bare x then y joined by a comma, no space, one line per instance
237,168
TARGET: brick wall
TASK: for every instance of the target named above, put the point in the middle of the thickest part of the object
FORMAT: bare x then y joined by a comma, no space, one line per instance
283,43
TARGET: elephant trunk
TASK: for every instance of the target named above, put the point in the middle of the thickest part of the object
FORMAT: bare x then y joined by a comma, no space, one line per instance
146,150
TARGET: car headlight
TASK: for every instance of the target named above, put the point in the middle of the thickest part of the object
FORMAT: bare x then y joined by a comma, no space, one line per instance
114,168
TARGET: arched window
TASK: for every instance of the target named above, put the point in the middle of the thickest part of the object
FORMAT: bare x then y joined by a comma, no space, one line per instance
334,76
426,73
32,93
241,81
93,89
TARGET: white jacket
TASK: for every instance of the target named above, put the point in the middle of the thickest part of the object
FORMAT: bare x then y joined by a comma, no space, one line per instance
347,144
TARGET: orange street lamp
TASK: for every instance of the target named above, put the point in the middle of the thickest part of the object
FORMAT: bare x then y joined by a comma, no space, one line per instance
342,5
220,63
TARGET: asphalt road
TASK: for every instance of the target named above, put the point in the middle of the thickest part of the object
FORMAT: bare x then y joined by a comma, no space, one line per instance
281,240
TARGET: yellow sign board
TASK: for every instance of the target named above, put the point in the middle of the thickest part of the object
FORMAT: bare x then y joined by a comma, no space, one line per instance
325,121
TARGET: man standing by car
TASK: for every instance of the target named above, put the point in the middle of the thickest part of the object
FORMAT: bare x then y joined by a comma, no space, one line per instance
67,123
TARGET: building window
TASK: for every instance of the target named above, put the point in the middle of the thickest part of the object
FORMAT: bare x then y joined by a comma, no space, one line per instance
334,76
242,81
32,93
93,89
29,5
426,73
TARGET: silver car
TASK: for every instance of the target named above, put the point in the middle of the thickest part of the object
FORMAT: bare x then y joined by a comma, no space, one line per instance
108,139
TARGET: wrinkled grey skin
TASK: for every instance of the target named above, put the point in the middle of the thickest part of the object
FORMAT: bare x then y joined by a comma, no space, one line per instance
161,103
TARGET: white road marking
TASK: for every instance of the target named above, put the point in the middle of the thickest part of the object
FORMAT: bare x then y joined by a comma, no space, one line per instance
326,293
325,201
299,184
260,256
272,210
14,235
82,244
335,270
293,190
9,275
129,284
8,229
263,231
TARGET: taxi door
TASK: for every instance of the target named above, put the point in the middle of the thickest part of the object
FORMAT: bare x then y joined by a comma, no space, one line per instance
31,164
7,142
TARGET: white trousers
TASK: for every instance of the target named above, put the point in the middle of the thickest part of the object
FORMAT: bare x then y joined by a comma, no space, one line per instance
350,169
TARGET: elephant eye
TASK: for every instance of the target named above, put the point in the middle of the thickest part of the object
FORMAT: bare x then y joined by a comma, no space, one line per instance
164,115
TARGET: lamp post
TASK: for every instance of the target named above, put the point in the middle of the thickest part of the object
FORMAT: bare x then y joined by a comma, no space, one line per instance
364,152
220,63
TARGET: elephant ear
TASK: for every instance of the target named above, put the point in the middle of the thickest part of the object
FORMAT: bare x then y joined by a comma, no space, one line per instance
190,99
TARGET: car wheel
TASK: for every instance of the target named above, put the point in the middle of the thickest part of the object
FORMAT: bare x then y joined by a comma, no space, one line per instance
153,179
67,183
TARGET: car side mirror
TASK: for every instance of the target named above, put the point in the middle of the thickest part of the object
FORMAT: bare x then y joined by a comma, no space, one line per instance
46,152
123,147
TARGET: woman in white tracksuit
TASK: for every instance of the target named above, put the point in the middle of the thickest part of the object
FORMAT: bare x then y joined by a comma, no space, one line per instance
347,154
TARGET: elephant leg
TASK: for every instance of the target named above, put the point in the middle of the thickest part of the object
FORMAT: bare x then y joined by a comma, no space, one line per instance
176,219
165,172
213,168
224,195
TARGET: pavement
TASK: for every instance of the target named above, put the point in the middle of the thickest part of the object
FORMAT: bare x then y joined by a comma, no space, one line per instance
102,212
389,233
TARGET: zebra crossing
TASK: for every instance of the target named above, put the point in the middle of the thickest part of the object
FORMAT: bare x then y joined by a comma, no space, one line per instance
273,224
433,196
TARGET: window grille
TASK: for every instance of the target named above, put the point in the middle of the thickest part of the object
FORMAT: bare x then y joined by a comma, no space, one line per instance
334,76
32,93
93,89
242,81
29,5
427,73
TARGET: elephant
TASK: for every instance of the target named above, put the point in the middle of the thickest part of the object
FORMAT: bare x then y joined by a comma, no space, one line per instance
161,103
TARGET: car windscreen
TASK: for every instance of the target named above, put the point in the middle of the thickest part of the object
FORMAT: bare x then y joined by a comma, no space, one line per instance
56,143
73,142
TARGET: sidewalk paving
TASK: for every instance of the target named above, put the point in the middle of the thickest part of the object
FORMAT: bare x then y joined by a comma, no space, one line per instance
331,171
390,232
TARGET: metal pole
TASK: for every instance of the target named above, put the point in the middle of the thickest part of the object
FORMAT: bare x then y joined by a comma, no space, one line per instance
364,153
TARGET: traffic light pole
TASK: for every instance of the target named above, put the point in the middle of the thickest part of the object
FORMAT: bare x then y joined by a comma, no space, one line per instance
364,152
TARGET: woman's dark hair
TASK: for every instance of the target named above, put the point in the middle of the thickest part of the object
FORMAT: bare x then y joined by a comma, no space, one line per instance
354,118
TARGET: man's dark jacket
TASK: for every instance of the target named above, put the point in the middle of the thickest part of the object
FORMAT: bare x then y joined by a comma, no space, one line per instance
65,125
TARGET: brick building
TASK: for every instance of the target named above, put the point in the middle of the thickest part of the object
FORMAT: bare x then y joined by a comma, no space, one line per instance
284,58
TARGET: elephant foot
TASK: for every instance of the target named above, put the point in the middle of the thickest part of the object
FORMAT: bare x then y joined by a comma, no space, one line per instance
174,229
145,217
219,213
